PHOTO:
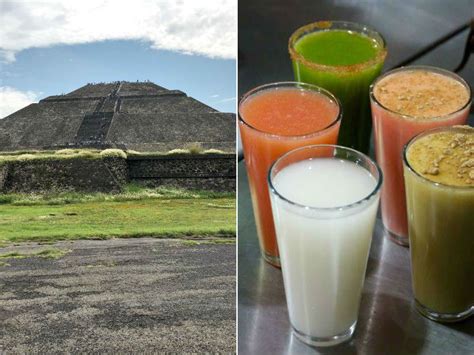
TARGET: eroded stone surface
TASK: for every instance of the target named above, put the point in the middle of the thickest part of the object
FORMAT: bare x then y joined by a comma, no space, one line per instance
120,296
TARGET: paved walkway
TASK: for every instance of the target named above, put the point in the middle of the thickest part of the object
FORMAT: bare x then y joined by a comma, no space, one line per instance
121,295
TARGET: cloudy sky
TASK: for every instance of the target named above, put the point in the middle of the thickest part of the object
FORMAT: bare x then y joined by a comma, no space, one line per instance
53,47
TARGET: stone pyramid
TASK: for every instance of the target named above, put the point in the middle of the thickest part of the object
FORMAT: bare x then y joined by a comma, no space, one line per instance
139,116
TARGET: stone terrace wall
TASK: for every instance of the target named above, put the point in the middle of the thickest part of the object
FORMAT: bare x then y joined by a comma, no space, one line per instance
76,174
3,175
203,172
198,172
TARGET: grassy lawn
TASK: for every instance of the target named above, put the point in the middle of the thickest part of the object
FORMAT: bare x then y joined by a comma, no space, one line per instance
33,218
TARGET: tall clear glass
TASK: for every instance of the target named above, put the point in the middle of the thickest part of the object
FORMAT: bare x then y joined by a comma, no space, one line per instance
441,231
348,82
262,148
324,250
392,131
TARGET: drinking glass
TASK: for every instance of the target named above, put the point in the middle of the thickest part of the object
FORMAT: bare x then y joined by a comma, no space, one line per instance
324,251
262,148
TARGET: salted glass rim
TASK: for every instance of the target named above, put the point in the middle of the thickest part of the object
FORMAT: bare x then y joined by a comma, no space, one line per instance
344,25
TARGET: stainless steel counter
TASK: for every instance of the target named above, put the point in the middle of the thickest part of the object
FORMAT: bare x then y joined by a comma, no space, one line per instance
388,322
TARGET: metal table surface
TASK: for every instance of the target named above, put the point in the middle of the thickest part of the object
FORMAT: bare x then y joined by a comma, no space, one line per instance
388,321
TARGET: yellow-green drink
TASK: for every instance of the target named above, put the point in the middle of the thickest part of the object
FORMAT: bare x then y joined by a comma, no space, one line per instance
439,184
344,58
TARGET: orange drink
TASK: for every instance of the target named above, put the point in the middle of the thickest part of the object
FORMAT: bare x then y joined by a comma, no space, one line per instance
274,119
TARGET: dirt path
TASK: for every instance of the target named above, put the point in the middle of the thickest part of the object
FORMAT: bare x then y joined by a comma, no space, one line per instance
120,295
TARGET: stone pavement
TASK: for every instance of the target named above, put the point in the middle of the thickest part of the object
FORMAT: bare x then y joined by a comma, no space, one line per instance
119,296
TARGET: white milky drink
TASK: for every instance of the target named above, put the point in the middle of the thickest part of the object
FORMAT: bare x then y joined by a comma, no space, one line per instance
324,211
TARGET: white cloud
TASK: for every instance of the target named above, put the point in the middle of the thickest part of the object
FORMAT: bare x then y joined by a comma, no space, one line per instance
12,100
227,99
204,27
215,96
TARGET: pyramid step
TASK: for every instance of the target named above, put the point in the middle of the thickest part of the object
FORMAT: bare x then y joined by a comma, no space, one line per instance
94,127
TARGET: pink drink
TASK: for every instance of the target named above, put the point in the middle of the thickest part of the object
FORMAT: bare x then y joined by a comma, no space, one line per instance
406,102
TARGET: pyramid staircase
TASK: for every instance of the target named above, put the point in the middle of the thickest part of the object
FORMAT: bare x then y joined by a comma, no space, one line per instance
95,126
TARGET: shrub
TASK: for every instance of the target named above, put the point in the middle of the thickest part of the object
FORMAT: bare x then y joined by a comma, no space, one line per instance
19,152
117,153
214,151
6,158
87,154
179,151
194,148
132,152
26,157
4,199
66,151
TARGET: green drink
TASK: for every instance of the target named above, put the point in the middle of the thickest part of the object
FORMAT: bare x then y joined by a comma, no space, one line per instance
344,58
439,182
